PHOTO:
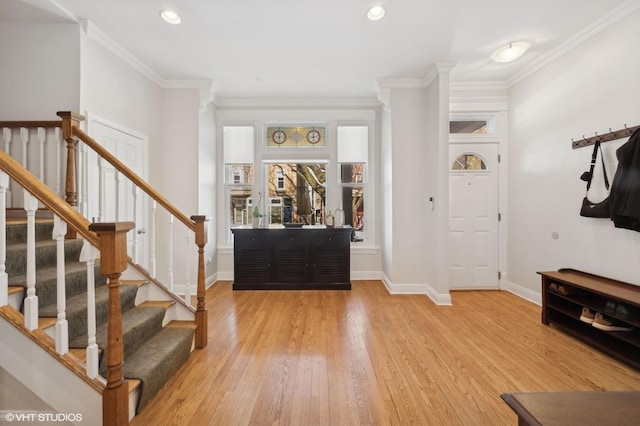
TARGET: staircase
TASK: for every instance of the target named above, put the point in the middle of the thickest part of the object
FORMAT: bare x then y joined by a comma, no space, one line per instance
155,346
105,335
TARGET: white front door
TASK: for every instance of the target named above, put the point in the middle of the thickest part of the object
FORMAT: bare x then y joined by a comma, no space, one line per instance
118,199
473,216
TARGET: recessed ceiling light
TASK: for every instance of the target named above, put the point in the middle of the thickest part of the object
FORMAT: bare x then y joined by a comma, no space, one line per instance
376,13
170,16
510,52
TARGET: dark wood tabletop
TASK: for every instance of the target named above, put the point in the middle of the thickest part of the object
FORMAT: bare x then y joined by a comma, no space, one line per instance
575,408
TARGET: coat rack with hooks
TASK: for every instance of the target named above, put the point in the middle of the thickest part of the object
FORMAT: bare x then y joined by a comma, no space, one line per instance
607,137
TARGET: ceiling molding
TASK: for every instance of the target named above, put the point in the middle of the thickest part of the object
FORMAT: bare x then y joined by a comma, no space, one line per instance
606,21
92,31
400,83
312,103
108,43
473,86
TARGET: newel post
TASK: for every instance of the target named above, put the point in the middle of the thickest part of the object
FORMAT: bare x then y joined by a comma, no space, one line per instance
70,120
113,261
201,308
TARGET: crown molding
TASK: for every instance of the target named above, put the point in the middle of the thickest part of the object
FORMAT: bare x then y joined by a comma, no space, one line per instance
95,33
473,86
311,103
606,21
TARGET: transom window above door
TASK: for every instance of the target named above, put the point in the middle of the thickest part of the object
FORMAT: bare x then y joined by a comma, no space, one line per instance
292,136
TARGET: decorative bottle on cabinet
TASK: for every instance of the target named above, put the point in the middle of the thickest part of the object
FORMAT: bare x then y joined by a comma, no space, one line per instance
339,218
330,220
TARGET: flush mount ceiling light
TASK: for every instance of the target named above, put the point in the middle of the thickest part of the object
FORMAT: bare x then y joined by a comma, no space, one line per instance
510,52
170,16
376,13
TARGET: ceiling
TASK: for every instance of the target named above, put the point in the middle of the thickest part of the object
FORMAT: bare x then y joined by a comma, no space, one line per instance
305,48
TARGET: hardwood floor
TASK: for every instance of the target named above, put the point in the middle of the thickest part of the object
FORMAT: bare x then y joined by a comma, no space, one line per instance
365,357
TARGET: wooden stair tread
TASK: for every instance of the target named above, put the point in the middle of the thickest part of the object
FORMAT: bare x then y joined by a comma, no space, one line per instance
133,384
164,303
46,322
182,323
139,283
15,289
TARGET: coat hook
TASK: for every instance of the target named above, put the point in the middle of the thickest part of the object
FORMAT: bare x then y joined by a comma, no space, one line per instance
597,138
627,129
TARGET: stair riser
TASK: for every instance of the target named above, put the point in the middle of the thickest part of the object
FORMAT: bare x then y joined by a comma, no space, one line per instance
17,233
75,283
46,256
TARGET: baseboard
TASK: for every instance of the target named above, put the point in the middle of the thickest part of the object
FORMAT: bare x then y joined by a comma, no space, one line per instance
437,298
523,292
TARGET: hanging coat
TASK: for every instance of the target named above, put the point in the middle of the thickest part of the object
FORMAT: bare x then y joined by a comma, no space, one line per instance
624,198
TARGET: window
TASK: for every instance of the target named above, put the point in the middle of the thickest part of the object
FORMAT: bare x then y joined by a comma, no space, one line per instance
238,159
296,136
300,191
353,143
280,177
471,124
469,162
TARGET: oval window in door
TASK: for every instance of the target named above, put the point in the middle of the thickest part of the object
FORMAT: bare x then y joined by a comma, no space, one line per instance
469,162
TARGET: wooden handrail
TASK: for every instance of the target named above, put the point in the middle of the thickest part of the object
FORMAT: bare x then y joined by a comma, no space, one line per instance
137,180
47,197
30,124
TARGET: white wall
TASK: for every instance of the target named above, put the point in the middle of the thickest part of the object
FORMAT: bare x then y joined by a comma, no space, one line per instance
410,174
39,70
593,88
207,169
415,138
111,89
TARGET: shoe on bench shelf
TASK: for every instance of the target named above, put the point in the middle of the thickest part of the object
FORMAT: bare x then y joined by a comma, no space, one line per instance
587,316
602,323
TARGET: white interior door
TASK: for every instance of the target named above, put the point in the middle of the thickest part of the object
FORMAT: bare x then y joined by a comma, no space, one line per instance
473,216
119,200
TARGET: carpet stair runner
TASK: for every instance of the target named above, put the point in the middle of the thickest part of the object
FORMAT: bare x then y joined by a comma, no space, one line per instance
153,352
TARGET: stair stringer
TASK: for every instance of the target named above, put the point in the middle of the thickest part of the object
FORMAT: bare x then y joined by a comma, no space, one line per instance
46,376
155,290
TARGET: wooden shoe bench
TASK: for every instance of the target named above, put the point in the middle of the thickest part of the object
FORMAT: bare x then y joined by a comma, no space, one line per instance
562,308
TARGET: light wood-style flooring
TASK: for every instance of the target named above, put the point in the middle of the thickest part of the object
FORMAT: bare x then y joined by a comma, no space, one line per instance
365,357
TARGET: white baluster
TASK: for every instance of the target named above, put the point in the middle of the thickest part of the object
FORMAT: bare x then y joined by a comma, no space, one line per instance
152,240
170,252
134,247
189,250
83,180
42,137
62,326
88,254
118,183
100,190
31,301
58,142
24,137
4,286
6,137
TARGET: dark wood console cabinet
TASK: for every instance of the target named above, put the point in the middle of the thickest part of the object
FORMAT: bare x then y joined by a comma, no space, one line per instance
279,258
580,289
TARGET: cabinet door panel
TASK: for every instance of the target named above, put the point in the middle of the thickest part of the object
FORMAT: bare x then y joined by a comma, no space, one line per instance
253,265
291,254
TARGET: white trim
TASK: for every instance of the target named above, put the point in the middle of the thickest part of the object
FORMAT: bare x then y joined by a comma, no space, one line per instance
315,103
523,292
93,32
437,298
606,21
478,86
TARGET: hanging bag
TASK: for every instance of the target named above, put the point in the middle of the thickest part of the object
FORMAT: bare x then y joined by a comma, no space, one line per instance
589,208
